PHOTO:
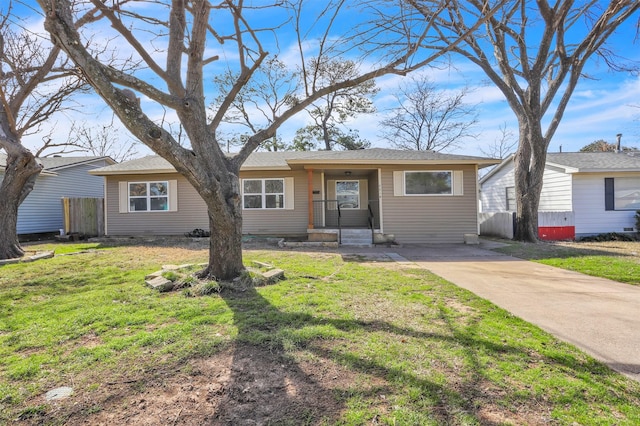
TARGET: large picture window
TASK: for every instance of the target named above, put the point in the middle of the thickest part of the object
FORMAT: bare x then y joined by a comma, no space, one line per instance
263,194
148,196
348,194
428,183
622,193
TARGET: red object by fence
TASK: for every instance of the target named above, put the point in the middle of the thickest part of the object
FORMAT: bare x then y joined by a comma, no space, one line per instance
556,233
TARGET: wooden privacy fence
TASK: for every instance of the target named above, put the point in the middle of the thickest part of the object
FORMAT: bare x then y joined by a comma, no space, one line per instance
83,216
551,225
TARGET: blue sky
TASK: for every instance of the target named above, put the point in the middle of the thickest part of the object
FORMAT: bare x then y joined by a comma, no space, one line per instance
603,105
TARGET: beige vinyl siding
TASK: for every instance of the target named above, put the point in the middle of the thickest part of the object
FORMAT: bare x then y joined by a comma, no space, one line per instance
191,213
374,198
279,222
430,219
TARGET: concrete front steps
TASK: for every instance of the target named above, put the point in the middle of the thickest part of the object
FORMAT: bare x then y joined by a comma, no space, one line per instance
356,237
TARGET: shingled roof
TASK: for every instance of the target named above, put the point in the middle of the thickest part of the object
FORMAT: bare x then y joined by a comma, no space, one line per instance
581,162
52,164
585,162
282,160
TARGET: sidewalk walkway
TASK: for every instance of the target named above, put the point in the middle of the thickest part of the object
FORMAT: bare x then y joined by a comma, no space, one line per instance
600,316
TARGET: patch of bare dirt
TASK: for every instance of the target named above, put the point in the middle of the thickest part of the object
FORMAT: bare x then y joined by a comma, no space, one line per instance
246,385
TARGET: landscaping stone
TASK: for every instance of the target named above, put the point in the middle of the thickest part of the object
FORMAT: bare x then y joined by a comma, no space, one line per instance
170,267
59,393
160,283
153,275
27,259
273,275
262,265
43,255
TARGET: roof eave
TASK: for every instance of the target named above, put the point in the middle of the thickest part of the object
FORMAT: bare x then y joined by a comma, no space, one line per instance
264,168
97,172
108,159
394,162
501,164
607,170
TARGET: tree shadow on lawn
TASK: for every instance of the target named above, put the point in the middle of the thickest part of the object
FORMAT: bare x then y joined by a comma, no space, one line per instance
548,250
276,371
314,381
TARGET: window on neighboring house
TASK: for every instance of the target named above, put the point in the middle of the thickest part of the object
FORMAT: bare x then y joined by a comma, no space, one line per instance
263,194
428,183
348,194
148,196
622,193
511,198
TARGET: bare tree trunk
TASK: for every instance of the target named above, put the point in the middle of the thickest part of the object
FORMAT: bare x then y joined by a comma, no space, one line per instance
225,250
528,172
225,247
19,178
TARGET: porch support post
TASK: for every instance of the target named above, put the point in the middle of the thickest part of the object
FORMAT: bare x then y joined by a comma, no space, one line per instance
310,196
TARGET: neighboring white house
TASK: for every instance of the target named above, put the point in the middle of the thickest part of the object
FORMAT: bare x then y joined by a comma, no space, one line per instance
41,211
600,189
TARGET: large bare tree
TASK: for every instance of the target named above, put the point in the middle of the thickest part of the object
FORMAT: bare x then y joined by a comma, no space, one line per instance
428,118
535,52
35,80
182,44
331,112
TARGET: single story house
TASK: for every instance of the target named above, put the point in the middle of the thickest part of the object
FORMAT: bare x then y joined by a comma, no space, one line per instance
413,196
599,191
41,211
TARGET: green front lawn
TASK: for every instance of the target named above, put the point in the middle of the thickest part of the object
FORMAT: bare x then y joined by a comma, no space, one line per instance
409,348
615,261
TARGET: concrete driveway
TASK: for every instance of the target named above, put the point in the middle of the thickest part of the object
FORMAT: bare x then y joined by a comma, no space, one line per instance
600,316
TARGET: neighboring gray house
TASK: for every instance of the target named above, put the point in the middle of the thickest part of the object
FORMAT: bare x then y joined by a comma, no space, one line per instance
416,196
41,211
600,190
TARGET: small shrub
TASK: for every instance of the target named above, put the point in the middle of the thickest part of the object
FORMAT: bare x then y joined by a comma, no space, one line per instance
170,275
198,233
611,236
206,288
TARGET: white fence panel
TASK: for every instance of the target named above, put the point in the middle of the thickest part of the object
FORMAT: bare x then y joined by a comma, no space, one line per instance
497,224
500,224
556,219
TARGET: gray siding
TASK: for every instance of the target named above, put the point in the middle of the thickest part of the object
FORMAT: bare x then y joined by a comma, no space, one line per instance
191,213
281,222
430,219
41,211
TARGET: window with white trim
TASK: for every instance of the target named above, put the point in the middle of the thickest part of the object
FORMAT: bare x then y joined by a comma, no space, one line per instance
428,183
148,196
622,193
263,194
348,194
